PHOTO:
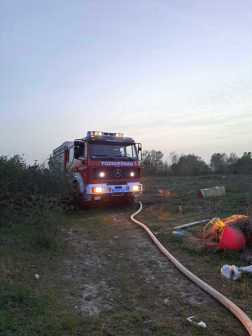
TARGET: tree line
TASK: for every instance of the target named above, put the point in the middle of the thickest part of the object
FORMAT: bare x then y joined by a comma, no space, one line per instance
192,165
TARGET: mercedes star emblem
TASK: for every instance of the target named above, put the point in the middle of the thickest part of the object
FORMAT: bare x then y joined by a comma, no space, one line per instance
118,172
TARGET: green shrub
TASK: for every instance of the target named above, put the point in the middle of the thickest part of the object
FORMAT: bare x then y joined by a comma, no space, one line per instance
34,194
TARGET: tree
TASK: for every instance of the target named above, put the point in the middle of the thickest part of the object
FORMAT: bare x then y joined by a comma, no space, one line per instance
231,163
219,162
189,165
165,169
174,157
152,161
244,164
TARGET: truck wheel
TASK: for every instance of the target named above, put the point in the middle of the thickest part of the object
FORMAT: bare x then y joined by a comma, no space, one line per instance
79,201
77,196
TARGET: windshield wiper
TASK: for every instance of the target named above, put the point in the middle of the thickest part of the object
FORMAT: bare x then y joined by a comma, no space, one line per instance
94,156
123,156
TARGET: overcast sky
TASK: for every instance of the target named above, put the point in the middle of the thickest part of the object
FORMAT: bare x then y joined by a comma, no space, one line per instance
176,75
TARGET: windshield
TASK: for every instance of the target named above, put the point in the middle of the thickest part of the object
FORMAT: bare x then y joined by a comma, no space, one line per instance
122,152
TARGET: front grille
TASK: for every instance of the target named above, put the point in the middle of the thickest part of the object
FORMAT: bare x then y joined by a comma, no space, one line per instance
112,173
117,183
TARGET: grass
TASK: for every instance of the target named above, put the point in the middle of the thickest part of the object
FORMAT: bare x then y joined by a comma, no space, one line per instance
29,306
130,285
22,309
200,261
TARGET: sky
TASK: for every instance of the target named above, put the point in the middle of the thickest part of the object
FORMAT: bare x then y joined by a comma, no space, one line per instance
176,75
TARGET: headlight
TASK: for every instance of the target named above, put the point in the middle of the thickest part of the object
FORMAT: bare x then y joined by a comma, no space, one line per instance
132,174
97,190
102,174
136,188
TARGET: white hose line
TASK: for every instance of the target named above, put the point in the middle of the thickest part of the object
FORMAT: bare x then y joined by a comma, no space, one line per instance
245,320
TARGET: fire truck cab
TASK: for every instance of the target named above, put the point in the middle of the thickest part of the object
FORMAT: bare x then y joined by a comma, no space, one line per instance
102,166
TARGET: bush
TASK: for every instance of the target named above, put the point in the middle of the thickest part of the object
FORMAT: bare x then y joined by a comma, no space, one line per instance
33,193
189,165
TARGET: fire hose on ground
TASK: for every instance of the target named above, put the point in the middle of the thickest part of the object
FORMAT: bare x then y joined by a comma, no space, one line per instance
245,320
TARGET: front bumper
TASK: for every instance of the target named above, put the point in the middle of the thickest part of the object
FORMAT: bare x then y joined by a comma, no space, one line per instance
110,191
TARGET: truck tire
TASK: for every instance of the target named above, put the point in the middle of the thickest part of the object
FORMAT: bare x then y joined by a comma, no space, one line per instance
77,196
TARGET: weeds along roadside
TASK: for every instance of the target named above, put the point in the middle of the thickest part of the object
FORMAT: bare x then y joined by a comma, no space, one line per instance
32,195
32,209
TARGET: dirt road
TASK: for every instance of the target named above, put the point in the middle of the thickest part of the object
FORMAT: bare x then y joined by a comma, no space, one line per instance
114,273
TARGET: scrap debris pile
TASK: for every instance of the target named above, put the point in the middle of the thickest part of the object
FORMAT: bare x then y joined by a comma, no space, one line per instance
233,232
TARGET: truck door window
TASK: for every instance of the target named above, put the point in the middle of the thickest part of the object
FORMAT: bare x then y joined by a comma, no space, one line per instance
82,150
131,151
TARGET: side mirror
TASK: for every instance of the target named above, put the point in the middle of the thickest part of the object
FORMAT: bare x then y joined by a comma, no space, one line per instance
139,149
76,152
76,143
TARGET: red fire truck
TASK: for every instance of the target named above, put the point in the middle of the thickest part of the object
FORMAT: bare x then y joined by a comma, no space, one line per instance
102,166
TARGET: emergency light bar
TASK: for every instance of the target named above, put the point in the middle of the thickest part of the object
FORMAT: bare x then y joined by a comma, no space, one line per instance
105,133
